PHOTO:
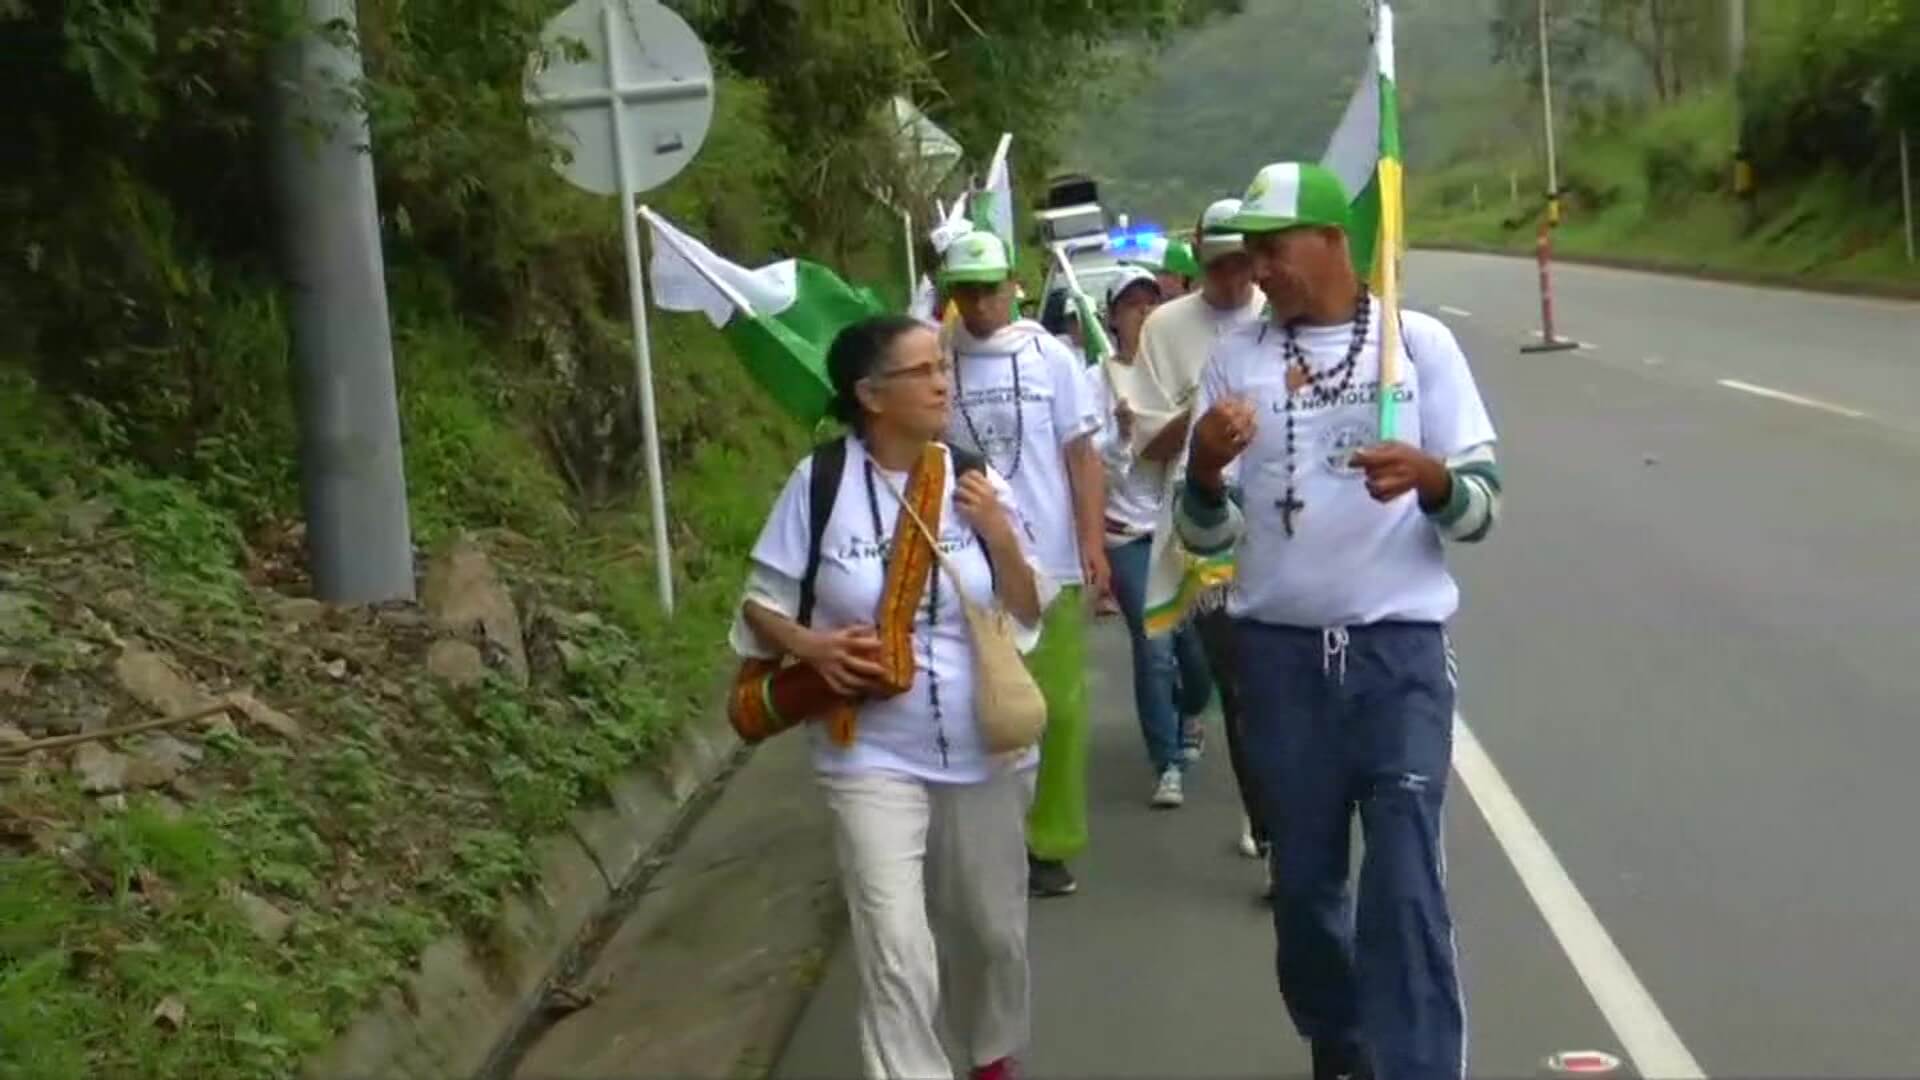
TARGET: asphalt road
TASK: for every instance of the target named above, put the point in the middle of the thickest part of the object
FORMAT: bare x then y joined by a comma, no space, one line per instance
1691,656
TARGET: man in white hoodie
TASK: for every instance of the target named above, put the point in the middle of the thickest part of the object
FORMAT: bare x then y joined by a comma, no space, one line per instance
1020,402
1174,347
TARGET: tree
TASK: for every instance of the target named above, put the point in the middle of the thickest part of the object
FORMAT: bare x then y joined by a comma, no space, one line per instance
1678,42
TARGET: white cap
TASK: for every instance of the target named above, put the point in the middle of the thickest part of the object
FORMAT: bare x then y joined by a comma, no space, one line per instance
1214,244
1128,277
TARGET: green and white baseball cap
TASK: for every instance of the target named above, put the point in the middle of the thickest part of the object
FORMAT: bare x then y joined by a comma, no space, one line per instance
1180,259
1217,234
1290,195
978,257
1166,255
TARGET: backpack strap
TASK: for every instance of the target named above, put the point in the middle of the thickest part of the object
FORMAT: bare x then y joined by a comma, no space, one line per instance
829,462
967,461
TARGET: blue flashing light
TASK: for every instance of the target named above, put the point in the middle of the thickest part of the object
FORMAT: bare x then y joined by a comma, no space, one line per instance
1138,238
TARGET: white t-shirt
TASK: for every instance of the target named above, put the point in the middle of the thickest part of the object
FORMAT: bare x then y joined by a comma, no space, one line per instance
1134,495
1026,443
928,732
1352,561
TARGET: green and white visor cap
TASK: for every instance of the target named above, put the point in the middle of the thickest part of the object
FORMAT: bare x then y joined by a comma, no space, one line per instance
1127,278
1290,195
977,258
1217,237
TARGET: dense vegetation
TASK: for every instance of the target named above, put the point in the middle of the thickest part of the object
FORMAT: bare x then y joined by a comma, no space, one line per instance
149,492
1823,92
1649,110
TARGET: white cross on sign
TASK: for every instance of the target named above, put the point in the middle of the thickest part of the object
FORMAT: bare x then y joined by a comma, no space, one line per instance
641,95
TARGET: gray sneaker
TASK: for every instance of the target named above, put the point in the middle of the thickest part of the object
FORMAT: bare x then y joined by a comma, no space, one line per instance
1168,793
1046,878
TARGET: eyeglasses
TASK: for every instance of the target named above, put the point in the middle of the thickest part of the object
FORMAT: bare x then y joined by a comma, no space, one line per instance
918,371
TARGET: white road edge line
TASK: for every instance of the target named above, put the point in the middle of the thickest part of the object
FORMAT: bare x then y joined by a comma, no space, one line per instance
1456,312
1656,1049
1793,399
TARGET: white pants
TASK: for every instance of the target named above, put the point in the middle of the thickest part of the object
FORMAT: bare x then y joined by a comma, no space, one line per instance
935,877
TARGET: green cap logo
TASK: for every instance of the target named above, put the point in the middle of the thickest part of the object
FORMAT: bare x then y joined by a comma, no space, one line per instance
1290,195
976,257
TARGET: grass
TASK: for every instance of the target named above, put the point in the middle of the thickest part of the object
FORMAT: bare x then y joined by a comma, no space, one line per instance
409,810
1658,191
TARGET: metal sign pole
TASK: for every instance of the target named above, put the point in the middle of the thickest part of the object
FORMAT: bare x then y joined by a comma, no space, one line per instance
1906,189
1543,245
637,299
1546,106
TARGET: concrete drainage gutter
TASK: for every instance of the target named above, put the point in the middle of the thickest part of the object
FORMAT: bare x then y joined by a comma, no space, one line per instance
467,1010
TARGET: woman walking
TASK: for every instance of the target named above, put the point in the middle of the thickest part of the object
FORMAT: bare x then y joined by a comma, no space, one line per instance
1171,682
929,830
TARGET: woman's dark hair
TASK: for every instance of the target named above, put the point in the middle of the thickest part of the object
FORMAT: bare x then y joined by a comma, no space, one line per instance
856,353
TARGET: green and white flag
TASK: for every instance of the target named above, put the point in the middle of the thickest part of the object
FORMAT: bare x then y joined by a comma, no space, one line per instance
991,207
780,319
1365,154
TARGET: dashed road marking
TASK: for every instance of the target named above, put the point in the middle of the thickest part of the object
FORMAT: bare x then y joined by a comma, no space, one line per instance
1792,399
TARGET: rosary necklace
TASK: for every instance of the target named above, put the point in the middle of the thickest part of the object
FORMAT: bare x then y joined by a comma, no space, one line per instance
1317,388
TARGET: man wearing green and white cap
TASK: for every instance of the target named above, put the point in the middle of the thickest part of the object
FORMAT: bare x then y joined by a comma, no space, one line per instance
1019,400
1340,599
1174,346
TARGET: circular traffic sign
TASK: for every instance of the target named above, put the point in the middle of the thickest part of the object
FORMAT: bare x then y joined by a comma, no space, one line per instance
626,82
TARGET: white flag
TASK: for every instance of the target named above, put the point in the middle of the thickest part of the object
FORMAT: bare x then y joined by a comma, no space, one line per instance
688,276
992,209
953,225
923,301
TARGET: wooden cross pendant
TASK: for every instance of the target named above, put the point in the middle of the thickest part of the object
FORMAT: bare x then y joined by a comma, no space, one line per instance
1297,378
1289,506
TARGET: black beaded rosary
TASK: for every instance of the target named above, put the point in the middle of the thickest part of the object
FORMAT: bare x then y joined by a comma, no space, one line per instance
1019,416
933,617
1320,388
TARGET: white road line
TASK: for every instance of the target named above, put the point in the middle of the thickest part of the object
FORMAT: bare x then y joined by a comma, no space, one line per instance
1458,312
1656,1049
1793,399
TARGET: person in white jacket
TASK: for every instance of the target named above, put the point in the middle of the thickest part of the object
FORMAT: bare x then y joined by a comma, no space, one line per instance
1175,344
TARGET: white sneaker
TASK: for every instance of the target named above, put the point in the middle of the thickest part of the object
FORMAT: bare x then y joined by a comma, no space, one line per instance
1248,847
1168,793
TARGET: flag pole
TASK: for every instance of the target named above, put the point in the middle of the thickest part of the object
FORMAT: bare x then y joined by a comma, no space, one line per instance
913,272
1087,308
642,339
1387,245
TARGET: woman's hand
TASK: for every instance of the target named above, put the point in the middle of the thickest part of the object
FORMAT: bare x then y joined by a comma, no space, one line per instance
976,500
848,658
